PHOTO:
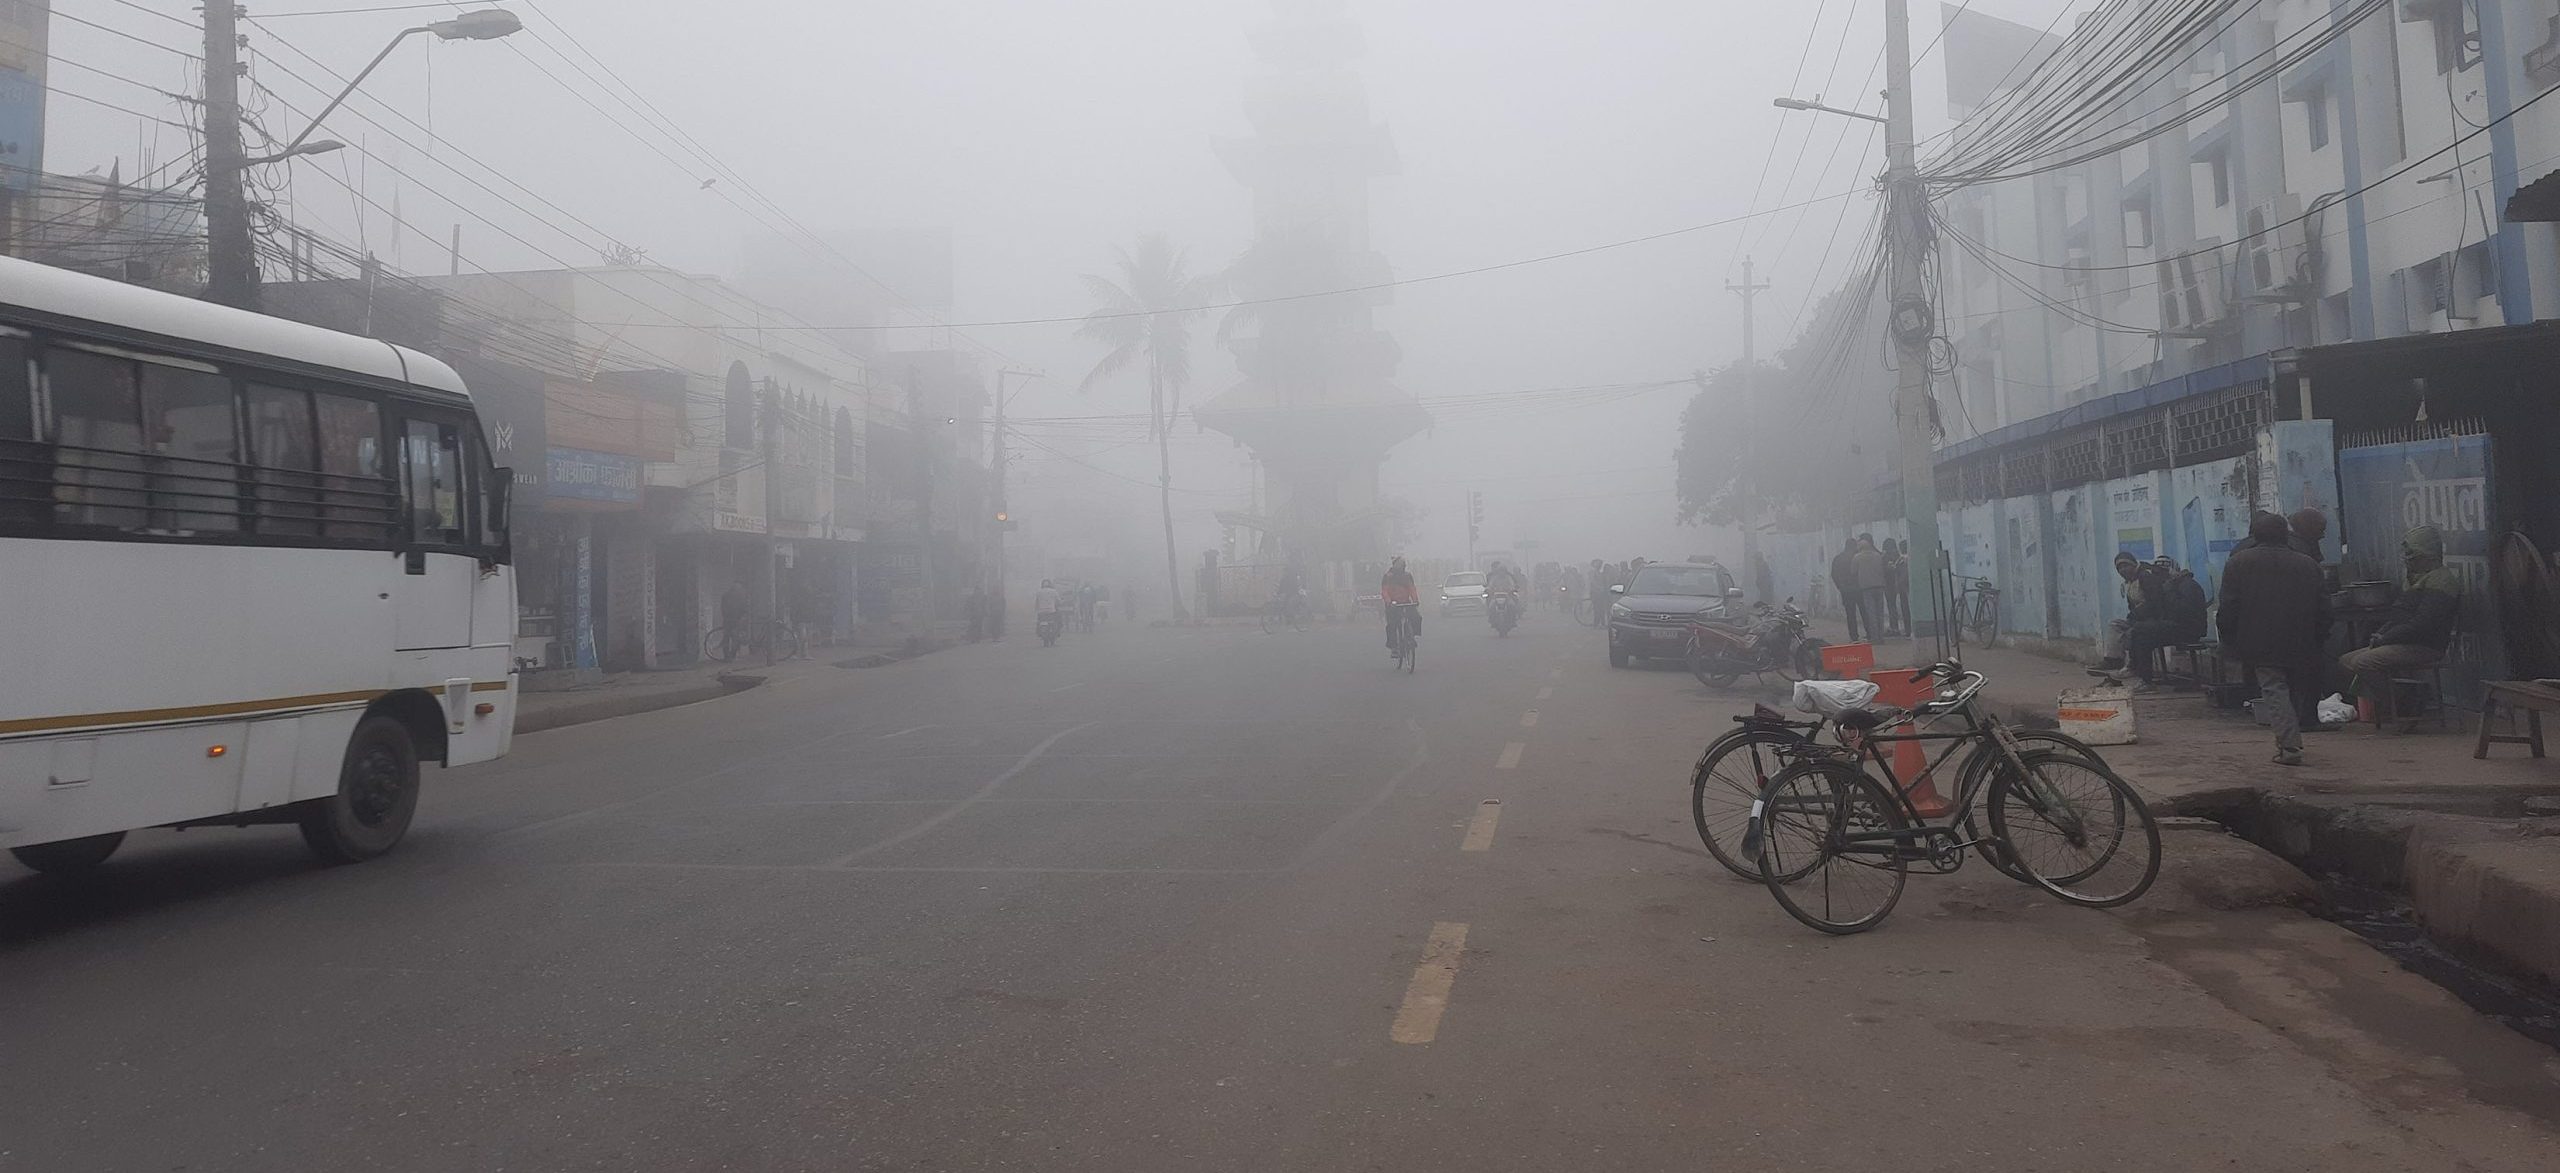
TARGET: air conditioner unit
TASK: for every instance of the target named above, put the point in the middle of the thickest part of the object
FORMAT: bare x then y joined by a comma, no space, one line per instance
2192,297
2275,237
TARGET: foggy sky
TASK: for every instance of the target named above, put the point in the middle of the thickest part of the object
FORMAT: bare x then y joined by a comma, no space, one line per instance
1042,132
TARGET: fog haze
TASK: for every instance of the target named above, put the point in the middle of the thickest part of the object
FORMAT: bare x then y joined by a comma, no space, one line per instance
1044,134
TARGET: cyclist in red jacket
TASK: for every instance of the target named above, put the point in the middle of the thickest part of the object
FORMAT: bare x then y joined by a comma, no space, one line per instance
1400,599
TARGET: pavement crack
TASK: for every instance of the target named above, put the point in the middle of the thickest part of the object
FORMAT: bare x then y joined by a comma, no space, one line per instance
1633,837
955,810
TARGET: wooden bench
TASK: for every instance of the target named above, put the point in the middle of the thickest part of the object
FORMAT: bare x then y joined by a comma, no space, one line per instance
2532,696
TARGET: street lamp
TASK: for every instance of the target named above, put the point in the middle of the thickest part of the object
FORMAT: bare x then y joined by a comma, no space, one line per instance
1816,105
317,146
487,24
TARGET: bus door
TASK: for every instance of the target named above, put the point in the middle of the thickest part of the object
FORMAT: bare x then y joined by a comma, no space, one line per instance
431,601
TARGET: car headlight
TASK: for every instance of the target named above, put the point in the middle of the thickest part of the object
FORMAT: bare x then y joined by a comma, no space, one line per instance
1620,610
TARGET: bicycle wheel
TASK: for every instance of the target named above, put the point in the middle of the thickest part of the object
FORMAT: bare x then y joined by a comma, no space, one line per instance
2076,828
1806,859
1726,781
1300,618
1974,777
788,643
717,645
1270,620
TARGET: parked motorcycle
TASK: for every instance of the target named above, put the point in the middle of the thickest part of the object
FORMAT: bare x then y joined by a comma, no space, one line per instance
1050,625
1504,611
1720,652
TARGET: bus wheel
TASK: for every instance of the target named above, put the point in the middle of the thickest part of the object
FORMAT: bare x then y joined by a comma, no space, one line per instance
70,856
377,794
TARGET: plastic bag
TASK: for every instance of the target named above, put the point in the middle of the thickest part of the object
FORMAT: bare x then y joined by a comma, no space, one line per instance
2336,709
1831,698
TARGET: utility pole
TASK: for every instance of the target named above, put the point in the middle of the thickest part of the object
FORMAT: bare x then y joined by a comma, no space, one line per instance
1750,291
1913,323
1004,512
231,258
772,494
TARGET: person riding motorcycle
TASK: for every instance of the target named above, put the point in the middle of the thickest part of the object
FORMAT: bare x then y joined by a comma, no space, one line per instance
1499,581
1400,599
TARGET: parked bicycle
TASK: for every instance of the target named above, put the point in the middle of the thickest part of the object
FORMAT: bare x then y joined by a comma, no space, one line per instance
751,637
1736,767
1978,612
1834,845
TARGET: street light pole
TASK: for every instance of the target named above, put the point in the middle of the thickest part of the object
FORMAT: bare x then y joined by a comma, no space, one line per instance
231,256
1913,324
1750,292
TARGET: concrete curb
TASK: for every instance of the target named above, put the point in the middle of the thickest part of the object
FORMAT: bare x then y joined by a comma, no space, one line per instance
726,683
2485,887
606,707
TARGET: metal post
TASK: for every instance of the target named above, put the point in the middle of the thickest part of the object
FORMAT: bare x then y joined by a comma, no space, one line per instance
1750,291
231,258
1913,324
772,405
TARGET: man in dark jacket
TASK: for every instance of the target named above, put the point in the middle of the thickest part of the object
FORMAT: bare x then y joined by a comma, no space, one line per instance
1844,579
2307,527
2148,621
2428,609
2275,616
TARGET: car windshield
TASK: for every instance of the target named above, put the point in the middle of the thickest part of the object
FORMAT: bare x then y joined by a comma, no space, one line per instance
1465,578
1703,581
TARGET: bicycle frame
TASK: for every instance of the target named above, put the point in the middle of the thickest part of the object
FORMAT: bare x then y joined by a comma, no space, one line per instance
1980,729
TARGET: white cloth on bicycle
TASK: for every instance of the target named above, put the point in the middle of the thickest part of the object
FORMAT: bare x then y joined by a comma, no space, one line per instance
1831,698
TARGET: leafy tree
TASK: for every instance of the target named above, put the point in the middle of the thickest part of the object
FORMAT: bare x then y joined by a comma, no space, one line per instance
1147,314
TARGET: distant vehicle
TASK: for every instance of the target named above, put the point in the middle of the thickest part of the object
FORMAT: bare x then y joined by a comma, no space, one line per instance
1462,592
1650,617
257,572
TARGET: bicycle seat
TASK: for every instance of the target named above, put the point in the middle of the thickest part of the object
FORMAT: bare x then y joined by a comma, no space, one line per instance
1870,720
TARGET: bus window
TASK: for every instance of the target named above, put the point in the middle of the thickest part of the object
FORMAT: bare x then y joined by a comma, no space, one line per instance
188,427
287,461
97,435
431,481
26,469
360,502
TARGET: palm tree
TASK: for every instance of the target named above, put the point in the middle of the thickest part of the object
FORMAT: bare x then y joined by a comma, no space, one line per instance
1147,314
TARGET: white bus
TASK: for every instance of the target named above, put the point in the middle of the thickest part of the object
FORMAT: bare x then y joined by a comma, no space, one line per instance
251,571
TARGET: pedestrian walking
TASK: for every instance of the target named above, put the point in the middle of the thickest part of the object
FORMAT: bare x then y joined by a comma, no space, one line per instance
1844,581
2275,618
1866,566
2429,607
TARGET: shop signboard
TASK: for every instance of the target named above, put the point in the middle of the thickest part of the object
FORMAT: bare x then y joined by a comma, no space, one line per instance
575,474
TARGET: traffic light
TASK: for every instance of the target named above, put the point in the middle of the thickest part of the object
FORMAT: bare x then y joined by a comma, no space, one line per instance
1475,514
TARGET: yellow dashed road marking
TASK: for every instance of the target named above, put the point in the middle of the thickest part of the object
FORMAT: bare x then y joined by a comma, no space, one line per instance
1510,759
1480,828
1426,998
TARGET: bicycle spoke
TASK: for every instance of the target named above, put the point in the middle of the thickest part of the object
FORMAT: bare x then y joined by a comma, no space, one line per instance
1805,860
2076,828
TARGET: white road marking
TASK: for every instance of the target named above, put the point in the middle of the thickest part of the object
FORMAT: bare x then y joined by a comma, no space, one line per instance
1510,759
1426,997
1529,719
1065,687
905,731
956,809
1546,692
1480,828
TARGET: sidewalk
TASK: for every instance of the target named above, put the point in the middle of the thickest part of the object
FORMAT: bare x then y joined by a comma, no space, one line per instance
619,694
2413,813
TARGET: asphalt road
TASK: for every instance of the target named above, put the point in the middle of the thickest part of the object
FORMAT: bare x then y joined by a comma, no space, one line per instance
1179,900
